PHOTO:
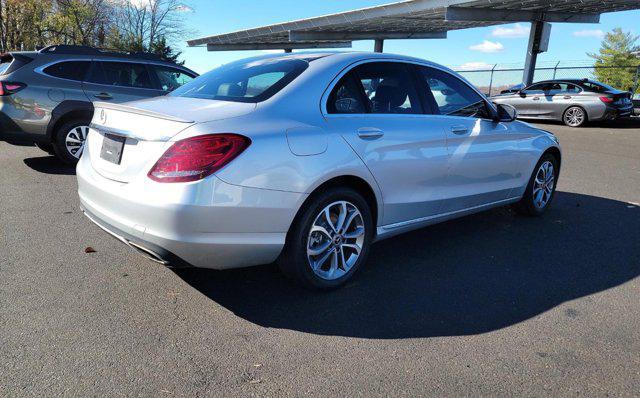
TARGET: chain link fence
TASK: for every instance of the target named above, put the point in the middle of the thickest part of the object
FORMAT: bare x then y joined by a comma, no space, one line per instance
491,79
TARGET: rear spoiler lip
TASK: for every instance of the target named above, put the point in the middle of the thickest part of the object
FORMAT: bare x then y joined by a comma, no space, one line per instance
138,111
22,57
127,134
16,61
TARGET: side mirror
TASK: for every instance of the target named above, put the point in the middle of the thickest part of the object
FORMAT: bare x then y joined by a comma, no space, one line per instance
522,93
506,113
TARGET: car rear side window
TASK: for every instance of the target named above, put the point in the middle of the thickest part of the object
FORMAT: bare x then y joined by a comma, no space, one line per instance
123,74
597,87
70,70
451,95
388,87
244,81
346,97
171,78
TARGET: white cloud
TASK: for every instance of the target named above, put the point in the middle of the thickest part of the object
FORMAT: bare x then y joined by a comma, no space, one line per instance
514,32
183,8
487,46
589,33
474,66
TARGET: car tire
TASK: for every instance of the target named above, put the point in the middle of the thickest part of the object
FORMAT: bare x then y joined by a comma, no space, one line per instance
574,116
47,147
541,188
310,233
69,133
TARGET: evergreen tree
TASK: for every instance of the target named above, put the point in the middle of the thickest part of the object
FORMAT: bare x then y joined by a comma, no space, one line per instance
616,51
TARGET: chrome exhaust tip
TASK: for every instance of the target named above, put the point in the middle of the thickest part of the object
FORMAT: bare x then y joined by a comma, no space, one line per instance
150,254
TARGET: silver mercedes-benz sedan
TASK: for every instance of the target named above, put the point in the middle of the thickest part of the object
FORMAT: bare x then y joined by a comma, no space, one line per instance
572,101
306,159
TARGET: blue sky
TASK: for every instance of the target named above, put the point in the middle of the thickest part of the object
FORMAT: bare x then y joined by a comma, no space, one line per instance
471,47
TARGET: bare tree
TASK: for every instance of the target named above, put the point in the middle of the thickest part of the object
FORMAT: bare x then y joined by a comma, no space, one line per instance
142,23
130,25
83,21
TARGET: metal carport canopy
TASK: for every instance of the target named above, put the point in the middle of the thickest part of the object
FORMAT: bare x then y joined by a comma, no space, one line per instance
416,19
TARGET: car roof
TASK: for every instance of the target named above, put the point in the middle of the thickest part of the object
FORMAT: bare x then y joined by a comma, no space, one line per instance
345,57
570,80
47,58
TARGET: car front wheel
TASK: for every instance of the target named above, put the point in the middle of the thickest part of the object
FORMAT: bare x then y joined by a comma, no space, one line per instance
541,188
329,240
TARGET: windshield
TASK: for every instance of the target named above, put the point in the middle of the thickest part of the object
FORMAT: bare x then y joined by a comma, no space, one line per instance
244,81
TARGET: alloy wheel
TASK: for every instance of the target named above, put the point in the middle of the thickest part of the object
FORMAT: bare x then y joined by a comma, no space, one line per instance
543,185
75,139
335,240
574,116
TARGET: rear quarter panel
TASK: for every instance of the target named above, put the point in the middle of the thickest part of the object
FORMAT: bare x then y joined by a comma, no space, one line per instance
590,102
270,163
32,108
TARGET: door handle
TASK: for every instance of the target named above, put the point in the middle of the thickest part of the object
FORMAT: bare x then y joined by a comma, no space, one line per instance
536,98
104,96
567,97
459,130
370,133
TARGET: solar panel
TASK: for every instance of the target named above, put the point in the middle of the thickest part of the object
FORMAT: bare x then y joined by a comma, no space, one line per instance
406,19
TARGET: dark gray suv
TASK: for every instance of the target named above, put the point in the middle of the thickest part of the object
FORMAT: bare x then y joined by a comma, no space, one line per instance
46,96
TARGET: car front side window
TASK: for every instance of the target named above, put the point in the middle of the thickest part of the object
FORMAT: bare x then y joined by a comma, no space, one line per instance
535,89
451,95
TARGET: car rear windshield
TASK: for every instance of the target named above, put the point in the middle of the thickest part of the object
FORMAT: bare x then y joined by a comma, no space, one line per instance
244,81
5,62
597,87
9,63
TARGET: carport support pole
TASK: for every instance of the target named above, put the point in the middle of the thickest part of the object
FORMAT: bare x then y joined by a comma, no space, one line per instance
533,49
378,46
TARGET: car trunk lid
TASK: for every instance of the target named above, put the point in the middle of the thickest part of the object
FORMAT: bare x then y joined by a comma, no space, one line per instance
126,139
619,97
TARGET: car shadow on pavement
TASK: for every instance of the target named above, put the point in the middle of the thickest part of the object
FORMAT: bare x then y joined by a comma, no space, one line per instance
463,277
49,165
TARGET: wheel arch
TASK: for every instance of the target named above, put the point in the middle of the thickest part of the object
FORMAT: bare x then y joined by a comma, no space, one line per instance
67,111
586,113
555,151
354,182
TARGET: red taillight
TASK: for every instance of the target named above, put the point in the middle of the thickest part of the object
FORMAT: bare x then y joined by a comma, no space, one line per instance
195,158
606,100
8,88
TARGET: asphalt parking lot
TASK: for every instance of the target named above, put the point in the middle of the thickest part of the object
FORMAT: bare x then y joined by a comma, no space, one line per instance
491,304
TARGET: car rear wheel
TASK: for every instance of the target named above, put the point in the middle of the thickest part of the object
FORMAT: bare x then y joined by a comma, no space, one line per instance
574,116
329,240
69,140
541,188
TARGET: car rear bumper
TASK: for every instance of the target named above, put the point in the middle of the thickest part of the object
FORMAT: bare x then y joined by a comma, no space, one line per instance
613,113
207,224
